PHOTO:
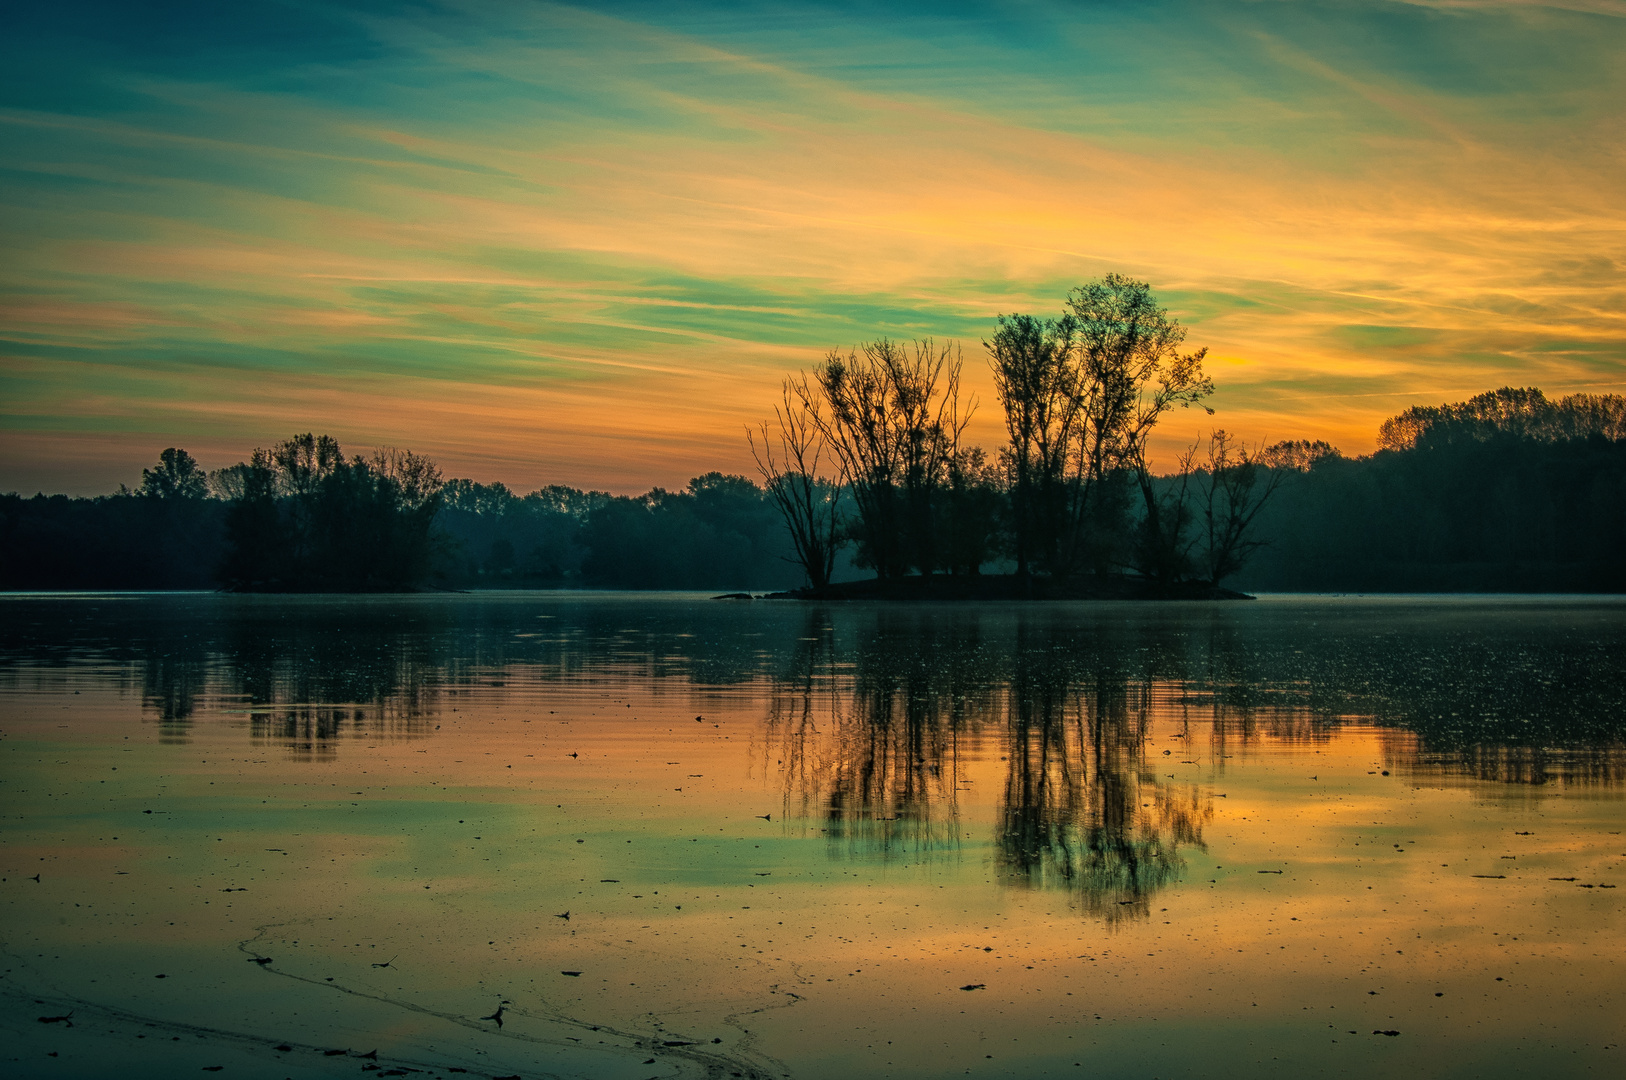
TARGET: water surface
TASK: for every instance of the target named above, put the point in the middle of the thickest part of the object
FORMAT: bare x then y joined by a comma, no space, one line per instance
1335,835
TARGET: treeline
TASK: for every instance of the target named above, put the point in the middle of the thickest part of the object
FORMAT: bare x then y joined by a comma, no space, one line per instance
303,517
120,541
1508,491
865,467
719,532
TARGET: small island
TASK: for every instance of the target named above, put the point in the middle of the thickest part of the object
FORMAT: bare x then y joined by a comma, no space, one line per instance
1071,500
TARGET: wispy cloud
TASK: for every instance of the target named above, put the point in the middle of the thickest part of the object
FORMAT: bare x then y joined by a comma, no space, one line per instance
553,244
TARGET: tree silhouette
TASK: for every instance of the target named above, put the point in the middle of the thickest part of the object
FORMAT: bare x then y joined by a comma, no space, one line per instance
790,473
1037,378
303,518
1134,372
1236,484
176,476
893,416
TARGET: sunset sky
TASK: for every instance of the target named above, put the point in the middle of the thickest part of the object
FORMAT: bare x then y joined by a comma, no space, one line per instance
555,244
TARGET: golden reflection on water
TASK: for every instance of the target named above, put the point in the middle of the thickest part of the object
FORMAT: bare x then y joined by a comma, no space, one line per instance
1176,841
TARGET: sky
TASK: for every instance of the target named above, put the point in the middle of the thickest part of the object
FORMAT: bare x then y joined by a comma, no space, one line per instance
545,243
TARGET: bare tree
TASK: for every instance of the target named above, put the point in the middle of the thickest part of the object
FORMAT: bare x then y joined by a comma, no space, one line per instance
928,432
894,423
1082,395
417,480
1235,486
790,473
1163,543
859,430
304,461
230,482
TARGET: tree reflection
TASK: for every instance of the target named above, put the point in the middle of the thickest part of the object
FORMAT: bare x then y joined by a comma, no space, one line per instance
875,751
879,753
311,689
879,715
305,687
1082,809
172,681
1599,764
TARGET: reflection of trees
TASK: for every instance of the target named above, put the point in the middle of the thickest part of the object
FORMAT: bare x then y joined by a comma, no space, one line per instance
874,750
875,711
1082,809
1247,706
1600,764
878,751
314,731
304,687
312,688
172,680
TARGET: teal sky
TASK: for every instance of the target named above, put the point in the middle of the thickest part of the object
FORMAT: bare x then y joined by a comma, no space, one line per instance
556,244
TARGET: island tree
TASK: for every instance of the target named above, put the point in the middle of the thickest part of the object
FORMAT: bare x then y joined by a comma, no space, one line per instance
1132,372
788,459
893,416
1037,377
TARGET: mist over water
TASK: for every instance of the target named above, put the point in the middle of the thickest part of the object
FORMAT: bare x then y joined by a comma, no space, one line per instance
1329,834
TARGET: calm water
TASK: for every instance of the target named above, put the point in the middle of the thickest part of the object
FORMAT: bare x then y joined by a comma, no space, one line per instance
1337,836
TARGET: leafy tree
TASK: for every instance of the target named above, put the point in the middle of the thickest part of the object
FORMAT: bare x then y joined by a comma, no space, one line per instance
258,548
176,476
719,532
1523,413
1297,455
1132,372
1036,375
370,522
488,535
1507,491
971,512
304,518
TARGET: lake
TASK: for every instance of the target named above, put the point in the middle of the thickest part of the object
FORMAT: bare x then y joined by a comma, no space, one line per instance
622,835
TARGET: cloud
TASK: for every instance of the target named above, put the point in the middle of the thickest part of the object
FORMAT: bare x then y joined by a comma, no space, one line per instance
549,244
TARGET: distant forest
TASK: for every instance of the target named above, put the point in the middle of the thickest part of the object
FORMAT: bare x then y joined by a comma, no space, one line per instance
202,533
863,471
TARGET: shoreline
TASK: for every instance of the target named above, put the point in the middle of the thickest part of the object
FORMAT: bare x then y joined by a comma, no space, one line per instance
1000,587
